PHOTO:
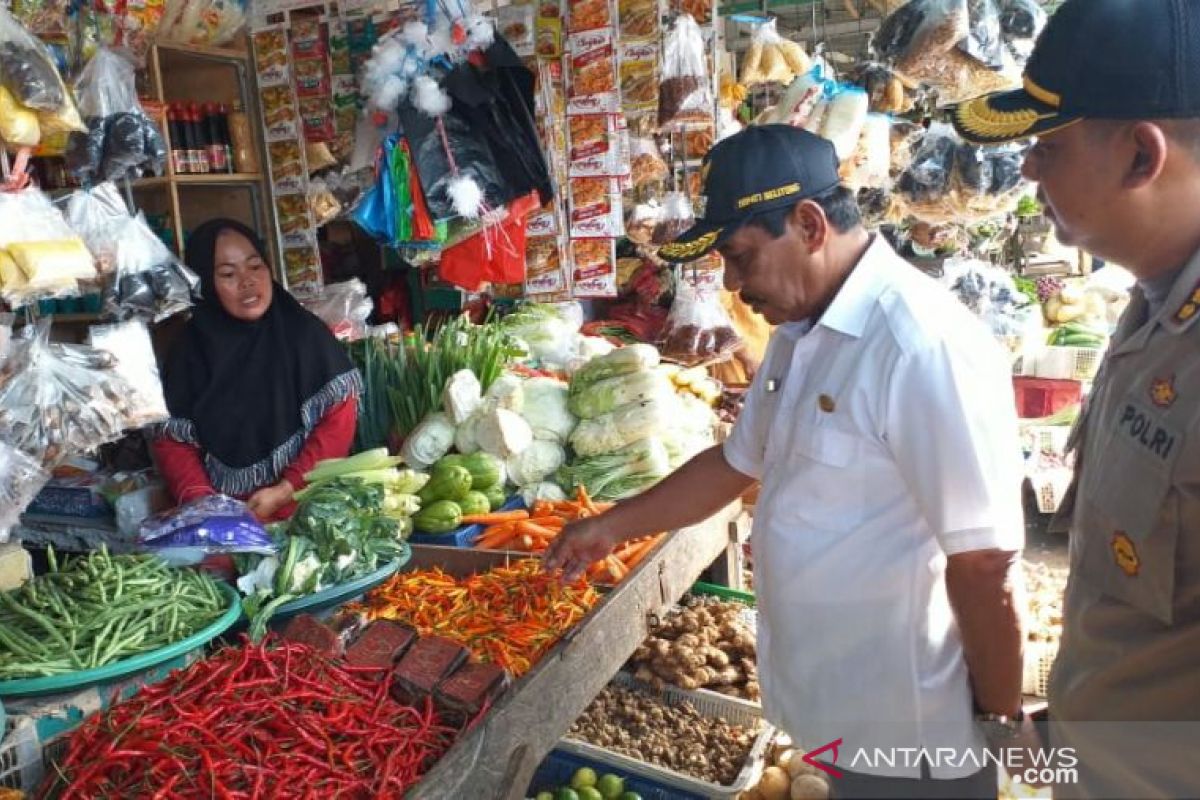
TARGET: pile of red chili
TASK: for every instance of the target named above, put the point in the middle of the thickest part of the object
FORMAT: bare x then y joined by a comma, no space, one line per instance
268,720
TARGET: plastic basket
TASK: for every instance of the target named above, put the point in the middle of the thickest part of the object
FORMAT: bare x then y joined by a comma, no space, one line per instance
1039,659
467,534
1069,363
707,704
1041,397
557,769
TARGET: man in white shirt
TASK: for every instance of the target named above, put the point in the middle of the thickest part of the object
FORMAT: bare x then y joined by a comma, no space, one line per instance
886,537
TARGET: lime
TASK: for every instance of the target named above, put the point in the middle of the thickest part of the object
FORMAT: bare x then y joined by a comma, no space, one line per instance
566,793
545,796
611,786
589,793
585,776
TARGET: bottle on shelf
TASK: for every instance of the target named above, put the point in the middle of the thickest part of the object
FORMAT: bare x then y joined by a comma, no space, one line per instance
214,140
181,161
245,159
223,127
200,140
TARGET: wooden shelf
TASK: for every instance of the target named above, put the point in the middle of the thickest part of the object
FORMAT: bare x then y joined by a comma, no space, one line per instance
203,51
218,178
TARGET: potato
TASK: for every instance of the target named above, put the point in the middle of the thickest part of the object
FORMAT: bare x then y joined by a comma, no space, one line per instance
783,757
810,787
774,784
797,767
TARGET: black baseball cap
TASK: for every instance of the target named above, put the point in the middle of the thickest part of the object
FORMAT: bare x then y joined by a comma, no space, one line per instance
759,169
1098,59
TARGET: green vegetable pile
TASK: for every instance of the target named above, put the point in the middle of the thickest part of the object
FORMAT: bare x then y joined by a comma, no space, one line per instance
403,382
99,609
343,528
1075,334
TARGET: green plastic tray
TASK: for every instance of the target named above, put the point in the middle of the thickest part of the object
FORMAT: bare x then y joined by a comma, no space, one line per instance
55,684
339,594
723,592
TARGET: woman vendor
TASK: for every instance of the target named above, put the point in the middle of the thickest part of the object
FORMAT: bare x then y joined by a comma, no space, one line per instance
258,388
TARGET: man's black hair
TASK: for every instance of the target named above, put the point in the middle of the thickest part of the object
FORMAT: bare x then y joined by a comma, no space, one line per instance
839,204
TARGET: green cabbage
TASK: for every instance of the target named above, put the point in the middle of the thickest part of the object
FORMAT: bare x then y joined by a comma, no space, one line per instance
615,476
606,395
634,358
623,426
546,409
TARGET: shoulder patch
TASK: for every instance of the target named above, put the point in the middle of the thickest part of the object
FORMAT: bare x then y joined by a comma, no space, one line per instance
1185,315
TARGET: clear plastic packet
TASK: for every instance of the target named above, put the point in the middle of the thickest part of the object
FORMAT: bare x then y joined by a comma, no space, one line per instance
18,125
765,60
209,22
148,280
950,180
344,307
97,215
130,343
27,71
30,216
1021,22
800,101
927,178
21,478
214,524
685,96
120,139
870,164
642,221
677,216
58,401
647,166
886,92
933,41
698,329
845,118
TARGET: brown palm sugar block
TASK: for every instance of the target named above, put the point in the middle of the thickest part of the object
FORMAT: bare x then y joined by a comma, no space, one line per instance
307,629
469,689
424,665
380,644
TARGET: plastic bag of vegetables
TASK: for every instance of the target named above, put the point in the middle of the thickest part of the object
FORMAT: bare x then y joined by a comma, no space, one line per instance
609,394
622,361
213,524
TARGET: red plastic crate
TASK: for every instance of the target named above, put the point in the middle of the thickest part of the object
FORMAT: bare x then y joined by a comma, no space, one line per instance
1041,397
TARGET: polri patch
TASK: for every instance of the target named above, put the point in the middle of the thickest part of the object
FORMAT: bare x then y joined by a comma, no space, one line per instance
1190,306
1147,432
1125,554
1162,392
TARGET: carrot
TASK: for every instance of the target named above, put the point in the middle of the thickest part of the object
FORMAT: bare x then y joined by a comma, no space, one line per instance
494,517
635,557
584,500
526,541
499,537
533,528
550,521
616,569
542,508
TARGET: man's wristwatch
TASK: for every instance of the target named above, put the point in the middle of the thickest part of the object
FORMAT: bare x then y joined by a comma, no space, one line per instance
999,726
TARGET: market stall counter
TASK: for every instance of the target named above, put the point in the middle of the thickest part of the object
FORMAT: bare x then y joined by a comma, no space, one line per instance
498,757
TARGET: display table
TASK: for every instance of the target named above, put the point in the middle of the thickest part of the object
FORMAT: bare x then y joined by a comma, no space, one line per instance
498,758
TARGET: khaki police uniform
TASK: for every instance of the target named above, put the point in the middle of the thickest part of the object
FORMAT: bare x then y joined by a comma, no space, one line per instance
1131,641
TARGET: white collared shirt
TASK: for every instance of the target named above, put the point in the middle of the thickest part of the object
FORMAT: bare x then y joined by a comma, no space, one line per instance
886,440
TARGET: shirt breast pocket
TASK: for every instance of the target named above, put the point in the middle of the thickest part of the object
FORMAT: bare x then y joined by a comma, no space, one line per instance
821,484
1130,530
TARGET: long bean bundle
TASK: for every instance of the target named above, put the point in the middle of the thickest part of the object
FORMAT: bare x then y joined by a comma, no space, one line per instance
99,609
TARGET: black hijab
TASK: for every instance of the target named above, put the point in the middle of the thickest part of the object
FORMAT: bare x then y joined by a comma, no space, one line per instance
250,393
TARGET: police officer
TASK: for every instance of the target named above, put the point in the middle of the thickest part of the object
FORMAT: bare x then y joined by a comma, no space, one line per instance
1112,94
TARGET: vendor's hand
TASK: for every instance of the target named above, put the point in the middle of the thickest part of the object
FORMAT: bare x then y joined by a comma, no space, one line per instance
266,502
580,545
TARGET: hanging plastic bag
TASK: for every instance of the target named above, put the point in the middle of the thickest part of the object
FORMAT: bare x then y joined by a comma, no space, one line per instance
765,61
677,217
58,401
1021,22
344,307
120,139
21,478
208,22
799,104
646,166
18,125
686,93
98,215
844,121
149,281
27,71
213,524
129,342
698,329
931,41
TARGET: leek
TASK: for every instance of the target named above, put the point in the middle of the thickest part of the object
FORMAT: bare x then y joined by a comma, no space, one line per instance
370,460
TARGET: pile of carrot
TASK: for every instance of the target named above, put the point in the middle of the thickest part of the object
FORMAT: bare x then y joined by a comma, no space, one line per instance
532,530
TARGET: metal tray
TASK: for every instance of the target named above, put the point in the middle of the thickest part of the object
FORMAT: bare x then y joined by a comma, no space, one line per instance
55,684
710,705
